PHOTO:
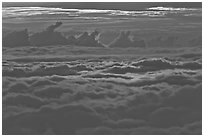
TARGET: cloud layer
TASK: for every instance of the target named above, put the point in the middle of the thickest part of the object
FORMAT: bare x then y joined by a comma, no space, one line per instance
103,96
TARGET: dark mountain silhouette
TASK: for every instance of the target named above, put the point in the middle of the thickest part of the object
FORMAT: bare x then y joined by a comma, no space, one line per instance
89,40
53,27
139,43
48,37
16,39
71,40
51,37
124,41
164,41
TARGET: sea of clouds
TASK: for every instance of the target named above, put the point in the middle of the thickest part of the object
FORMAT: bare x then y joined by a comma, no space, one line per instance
103,95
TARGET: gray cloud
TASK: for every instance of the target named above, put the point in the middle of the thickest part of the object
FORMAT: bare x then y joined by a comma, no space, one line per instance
23,100
118,111
154,64
45,98
62,120
52,92
188,129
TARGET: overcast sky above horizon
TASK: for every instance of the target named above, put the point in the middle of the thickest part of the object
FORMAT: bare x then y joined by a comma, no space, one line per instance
106,5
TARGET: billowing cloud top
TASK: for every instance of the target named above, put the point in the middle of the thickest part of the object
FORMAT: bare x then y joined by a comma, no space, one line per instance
101,95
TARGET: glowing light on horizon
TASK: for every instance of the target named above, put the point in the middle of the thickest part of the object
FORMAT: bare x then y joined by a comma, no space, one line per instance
16,12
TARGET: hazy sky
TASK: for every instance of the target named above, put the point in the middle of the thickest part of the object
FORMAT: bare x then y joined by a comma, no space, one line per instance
106,5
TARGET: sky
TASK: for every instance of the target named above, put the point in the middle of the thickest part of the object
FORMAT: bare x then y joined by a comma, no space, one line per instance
107,5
